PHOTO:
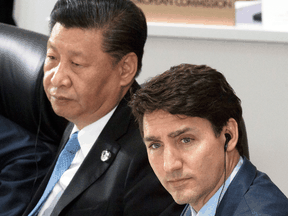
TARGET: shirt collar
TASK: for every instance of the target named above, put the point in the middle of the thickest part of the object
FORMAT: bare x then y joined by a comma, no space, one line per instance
89,134
209,209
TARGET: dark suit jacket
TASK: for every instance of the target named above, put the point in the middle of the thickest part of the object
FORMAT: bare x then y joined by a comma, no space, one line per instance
123,185
18,172
251,193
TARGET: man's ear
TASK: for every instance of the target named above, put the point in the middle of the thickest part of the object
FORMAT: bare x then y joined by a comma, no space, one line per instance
128,69
232,129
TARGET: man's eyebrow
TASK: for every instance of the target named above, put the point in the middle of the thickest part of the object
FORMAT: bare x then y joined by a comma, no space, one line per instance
172,135
75,53
72,53
179,132
151,139
50,45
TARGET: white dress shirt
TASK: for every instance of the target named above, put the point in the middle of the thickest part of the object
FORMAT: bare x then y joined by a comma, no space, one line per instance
209,209
86,137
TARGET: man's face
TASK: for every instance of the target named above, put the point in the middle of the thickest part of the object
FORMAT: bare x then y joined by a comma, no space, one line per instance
79,79
185,155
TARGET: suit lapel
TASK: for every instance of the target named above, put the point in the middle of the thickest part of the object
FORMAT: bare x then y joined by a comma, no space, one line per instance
93,167
186,211
65,138
237,189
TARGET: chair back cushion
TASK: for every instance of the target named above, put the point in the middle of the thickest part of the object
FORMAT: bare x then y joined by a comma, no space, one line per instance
22,97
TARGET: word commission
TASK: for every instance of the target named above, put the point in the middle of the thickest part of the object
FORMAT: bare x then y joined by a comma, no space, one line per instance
193,3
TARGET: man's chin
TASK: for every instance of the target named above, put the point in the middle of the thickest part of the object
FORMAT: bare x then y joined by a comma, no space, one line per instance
180,198
62,112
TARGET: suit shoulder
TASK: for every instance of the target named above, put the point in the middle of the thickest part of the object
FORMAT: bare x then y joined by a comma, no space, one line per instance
132,140
264,197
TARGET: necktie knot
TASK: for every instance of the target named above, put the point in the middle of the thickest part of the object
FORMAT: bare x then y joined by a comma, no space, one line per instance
73,145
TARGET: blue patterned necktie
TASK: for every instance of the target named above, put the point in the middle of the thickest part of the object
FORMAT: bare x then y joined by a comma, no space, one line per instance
64,161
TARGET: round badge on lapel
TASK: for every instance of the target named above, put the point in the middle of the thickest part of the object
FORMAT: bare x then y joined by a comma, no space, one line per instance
105,155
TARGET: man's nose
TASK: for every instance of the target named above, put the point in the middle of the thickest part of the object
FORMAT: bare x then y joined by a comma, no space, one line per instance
172,159
60,76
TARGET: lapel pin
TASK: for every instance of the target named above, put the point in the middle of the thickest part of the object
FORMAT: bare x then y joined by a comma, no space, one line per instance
105,155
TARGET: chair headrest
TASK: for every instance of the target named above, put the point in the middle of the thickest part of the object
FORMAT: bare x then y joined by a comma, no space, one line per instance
22,97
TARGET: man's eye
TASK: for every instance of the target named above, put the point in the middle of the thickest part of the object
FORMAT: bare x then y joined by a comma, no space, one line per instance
155,146
186,140
76,64
51,57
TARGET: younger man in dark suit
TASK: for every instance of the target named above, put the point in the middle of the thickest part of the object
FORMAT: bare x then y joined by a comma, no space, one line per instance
189,117
94,54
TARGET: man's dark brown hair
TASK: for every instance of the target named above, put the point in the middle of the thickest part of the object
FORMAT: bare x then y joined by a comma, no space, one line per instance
190,90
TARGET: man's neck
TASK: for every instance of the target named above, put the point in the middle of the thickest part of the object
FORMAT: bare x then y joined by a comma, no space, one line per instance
231,160
212,203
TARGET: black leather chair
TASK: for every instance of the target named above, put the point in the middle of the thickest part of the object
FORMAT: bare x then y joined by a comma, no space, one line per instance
22,97
30,130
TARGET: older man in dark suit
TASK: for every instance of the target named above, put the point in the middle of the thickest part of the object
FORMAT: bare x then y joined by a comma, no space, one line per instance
94,54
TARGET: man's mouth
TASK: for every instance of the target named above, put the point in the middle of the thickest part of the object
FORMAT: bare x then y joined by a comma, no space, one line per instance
59,97
178,182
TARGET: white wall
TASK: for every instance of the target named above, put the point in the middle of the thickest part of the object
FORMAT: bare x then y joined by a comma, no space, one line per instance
33,14
256,71
258,74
